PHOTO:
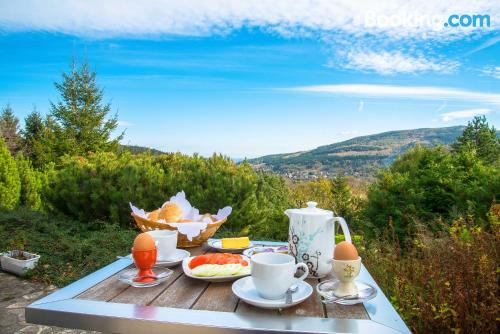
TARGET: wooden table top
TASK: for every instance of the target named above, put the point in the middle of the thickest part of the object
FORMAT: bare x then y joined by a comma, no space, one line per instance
181,291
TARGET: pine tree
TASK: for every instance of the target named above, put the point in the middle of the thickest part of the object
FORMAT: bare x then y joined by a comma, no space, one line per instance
31,183
33,134
79,122
10,184
9,130
478,136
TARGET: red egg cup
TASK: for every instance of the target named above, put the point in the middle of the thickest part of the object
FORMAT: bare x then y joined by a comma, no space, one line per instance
144,261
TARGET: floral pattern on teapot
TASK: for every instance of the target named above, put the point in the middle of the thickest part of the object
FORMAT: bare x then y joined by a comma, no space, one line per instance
299,248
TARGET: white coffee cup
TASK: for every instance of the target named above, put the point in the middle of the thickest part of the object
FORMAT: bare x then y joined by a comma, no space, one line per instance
166,243
274,273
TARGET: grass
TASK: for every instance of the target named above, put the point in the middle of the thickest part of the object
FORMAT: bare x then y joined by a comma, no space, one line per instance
69,249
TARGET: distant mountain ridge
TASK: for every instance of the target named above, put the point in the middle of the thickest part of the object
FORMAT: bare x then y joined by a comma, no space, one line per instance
359,157
140,149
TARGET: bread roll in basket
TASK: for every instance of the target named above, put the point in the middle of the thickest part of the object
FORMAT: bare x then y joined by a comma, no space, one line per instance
182,240
179,211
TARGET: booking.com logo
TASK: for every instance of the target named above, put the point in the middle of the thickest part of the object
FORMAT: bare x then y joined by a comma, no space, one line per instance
435,22
466,20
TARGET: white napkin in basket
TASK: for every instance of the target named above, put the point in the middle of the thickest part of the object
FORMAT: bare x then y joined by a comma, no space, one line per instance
191,230
137,211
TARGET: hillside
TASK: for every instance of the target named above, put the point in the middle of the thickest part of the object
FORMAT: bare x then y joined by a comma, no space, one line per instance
140,149
360,156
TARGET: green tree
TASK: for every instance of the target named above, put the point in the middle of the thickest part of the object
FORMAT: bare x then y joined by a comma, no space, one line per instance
482,138
80,122
9,130
35,137
31,183
431,186
10,185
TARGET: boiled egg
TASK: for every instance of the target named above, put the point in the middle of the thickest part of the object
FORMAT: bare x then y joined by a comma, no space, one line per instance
345,251
144,242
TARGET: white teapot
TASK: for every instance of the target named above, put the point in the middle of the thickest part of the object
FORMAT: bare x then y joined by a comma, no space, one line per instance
312,237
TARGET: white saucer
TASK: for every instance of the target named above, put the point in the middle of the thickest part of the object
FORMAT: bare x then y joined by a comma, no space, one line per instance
326,290
217,244
177,257
128,276
215,279
246,291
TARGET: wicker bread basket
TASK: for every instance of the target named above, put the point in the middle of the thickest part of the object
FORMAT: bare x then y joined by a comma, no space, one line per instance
182,241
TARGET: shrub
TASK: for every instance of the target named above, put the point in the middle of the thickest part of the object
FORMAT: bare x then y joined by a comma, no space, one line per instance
10,185
31,184
430,184
441,284
101,185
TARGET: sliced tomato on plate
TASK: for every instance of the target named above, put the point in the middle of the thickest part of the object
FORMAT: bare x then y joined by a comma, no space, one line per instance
217,258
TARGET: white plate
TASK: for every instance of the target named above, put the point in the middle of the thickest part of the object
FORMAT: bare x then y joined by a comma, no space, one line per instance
177,257
266,249
217,244
188,272
326,290
246,291
128,276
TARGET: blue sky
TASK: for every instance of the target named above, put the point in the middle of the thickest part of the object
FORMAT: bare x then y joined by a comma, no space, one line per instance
259,78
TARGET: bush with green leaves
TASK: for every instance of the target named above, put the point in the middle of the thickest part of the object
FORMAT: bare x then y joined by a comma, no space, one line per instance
431,185
31,184
101,185
10,185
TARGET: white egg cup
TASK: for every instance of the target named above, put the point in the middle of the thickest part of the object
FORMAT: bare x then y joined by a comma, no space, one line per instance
346,271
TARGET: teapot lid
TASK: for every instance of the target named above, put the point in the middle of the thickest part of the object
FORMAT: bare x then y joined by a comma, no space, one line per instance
312,210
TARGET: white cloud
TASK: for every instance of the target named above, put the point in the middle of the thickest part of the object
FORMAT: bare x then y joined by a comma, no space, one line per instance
491,71
395,62
410,92
468,113
194,17
345,26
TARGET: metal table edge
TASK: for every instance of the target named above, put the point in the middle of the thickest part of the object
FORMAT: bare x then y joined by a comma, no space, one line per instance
74,289
129,318
380,310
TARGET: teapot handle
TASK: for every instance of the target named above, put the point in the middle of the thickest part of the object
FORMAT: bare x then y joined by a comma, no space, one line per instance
344,227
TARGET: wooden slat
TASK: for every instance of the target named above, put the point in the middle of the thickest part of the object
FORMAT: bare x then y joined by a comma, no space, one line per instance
244,308
311,307
217,297
346,311
105,290
183,293
144,296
